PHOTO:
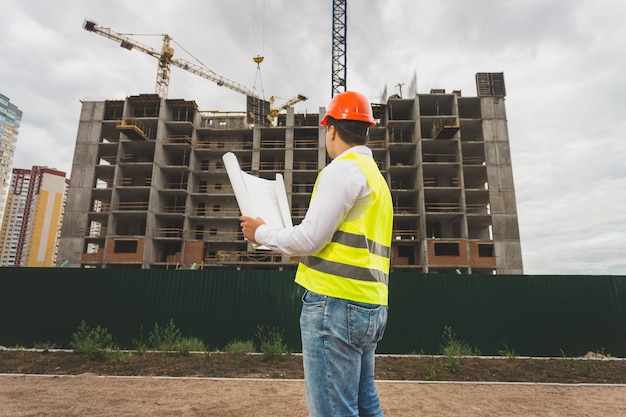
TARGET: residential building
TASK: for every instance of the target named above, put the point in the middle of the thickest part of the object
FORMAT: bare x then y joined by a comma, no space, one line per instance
32,219
10,118
149,189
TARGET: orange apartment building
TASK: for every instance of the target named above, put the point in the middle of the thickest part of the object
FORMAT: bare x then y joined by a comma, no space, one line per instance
32,219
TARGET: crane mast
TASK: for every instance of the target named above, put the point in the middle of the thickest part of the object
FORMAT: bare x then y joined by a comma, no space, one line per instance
166,59
339,47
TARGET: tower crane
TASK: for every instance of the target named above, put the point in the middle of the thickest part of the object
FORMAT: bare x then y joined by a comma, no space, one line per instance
166,58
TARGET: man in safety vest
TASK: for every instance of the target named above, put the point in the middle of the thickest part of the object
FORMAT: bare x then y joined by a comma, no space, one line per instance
345,244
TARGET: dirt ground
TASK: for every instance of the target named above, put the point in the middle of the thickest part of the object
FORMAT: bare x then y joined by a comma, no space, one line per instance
69,384
256,366
92,395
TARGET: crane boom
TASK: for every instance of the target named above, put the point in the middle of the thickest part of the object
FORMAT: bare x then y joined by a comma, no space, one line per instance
291,102
274,111
165,60
212,76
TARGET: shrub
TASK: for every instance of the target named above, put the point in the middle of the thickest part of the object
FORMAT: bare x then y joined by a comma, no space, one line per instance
92,342
453,347
140,346
272,344
169,339
164,338
432,373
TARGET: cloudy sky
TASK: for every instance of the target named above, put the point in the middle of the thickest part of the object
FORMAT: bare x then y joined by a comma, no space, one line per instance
563,63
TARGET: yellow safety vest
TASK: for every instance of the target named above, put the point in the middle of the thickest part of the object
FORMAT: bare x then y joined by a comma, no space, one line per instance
354,265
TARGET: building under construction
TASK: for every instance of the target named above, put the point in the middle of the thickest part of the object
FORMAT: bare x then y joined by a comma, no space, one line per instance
149,189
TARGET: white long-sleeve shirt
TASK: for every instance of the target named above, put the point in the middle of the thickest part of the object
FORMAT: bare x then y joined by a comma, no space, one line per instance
342,192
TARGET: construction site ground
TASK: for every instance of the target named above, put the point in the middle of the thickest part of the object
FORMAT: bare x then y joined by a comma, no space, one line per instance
61,383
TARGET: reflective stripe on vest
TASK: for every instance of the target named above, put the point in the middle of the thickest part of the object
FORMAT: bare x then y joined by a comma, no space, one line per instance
362,242
354,272
354,265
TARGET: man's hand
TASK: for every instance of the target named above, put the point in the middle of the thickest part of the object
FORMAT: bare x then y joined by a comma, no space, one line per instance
249,226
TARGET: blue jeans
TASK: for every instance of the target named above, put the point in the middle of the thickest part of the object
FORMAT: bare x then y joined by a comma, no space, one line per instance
339,338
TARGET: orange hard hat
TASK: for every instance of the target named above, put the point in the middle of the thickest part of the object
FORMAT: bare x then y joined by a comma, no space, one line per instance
349,106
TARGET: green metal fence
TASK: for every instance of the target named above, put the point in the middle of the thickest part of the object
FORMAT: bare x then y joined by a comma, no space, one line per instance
534,315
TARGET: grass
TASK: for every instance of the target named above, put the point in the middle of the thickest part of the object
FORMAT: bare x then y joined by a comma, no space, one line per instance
507,351
240,346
